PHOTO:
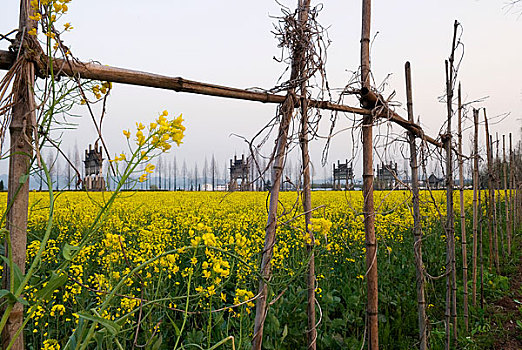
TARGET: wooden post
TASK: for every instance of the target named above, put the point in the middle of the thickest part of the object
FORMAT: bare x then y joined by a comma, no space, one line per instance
369,213
481,251
286,111
307,202
493,253
506,195
498,216
21,152
516,186
417,232
307,208
266,272
451,287
512,184
450,229
462,213
476,189
494,208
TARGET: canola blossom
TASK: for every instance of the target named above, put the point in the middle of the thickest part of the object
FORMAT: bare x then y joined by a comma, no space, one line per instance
199,255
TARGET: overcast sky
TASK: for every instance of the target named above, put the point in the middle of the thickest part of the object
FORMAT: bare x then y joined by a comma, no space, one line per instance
229,42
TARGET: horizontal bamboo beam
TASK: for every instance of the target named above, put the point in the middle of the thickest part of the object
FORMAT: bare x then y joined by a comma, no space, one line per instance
132,77
6,59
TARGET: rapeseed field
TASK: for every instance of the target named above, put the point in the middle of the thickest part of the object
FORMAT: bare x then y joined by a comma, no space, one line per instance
171,269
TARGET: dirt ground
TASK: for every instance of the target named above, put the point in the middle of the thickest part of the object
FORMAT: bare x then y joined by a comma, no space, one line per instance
512,335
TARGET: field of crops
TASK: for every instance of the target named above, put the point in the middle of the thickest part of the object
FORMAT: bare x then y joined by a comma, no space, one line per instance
170,269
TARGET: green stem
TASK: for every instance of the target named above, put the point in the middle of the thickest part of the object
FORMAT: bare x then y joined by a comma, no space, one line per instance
186,309
19,330
30,272
113,292
10,257
43,244
223,342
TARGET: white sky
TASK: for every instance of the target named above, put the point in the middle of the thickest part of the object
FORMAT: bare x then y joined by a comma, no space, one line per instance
229,42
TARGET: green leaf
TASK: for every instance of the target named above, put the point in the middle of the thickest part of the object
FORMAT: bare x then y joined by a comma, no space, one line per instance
112,327
4,293
23,178
68,250
75,336
157,343
176,329
285,333
18,275
54,283
22,301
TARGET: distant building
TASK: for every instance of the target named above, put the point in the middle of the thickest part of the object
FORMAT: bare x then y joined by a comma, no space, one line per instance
93,162
343,172
206,187
434,182
239,175
387,176
220,188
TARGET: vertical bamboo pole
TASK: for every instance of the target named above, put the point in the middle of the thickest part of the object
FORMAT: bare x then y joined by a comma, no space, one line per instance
21,152
462,213
506,196
494,208
287,109
512,183
476,188
481,250
492,249
517,187
450,315
516,193
307,208
451,286
307,203
498,215
417,231
369,214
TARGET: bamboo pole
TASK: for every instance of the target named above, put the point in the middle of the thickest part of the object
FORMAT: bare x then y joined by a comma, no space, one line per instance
516,217
450,315
506,195
476,189
481,249
94,71
492,251
307,201
369,212
451,279
417,230
7,59
270,231
518,197
298,57
462,214
21,152
498,209
307,208
512,184
494,206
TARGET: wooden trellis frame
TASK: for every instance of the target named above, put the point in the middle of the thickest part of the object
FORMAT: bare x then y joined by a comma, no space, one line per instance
125,76
23,122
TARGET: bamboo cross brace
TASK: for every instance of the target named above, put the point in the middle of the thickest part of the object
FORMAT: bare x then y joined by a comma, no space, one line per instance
132,77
